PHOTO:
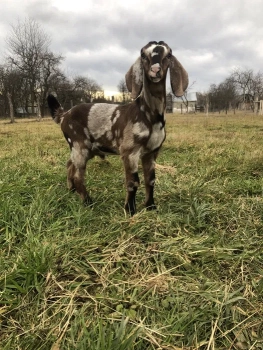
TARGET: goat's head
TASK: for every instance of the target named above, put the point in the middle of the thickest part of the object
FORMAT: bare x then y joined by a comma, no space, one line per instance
155,60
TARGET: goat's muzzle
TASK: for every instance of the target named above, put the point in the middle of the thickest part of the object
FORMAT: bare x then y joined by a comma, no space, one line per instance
155,71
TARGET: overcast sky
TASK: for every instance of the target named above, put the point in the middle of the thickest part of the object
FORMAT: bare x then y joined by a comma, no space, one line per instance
102,38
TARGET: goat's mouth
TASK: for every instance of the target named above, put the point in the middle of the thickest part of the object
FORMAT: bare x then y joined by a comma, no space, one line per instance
155,79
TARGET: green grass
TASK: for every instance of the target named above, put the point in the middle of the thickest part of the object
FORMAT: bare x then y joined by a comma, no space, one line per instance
189,276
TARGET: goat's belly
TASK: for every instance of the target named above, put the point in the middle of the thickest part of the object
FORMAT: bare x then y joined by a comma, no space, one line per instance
100,149
157,137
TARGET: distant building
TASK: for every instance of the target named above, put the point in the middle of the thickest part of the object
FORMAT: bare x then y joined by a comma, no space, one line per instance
185,104
113,96
21,112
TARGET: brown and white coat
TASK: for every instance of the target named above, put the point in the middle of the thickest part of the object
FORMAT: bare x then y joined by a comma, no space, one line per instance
135,131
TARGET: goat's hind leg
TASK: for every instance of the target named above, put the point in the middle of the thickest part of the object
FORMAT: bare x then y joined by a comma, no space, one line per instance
79,180
76,171
70,175
132,181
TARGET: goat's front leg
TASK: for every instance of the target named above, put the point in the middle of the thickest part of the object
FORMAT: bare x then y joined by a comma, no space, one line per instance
132,181
148,164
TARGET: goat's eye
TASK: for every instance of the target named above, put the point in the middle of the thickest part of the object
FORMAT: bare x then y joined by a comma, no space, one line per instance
169,55
143,56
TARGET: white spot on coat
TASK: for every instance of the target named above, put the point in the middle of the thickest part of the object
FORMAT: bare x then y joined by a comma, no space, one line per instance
128,139
109,135
134,160
79,155
86,132
152,183
69,140
140,129
70,126
99,119
148,115
116,117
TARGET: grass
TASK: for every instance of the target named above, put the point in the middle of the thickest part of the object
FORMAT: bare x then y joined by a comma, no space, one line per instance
189,276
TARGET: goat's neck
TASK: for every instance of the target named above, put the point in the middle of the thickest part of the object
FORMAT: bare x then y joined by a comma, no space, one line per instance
153,95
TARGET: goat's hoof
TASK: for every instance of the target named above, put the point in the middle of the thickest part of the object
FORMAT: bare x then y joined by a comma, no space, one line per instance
129,210
88,202
151,207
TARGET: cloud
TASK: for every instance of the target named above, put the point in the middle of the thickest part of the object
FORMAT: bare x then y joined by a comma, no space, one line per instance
102,38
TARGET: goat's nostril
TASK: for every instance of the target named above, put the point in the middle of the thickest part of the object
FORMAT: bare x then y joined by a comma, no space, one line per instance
155,69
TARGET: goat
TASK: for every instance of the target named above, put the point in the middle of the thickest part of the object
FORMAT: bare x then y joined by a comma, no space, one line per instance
134,131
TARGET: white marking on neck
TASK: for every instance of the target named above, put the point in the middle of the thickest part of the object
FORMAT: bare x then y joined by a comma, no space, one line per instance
157,136
140,129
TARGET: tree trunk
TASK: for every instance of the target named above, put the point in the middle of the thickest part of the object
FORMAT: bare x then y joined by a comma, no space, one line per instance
38,108
11,107
32,103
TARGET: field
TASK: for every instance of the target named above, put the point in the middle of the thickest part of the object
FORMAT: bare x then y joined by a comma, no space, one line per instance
188,276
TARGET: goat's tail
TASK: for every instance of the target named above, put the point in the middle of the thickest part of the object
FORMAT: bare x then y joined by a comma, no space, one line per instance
55,108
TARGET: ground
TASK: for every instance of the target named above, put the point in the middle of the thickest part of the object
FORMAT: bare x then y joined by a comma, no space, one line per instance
188,276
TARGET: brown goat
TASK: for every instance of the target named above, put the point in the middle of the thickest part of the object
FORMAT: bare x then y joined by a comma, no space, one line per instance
134,131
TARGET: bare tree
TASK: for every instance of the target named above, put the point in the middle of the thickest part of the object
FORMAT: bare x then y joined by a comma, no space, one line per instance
223,96
248,85
240,88
76,90
11,96
12,115
85,88
229,94
185,95
122,88
48,68
243,81
28,47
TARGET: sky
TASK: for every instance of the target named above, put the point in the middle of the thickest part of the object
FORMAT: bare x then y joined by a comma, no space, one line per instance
101,39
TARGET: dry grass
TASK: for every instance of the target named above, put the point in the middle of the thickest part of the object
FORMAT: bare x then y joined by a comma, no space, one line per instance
188,276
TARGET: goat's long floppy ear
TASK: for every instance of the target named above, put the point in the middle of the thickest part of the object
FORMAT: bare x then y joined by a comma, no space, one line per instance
179,77
134,78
